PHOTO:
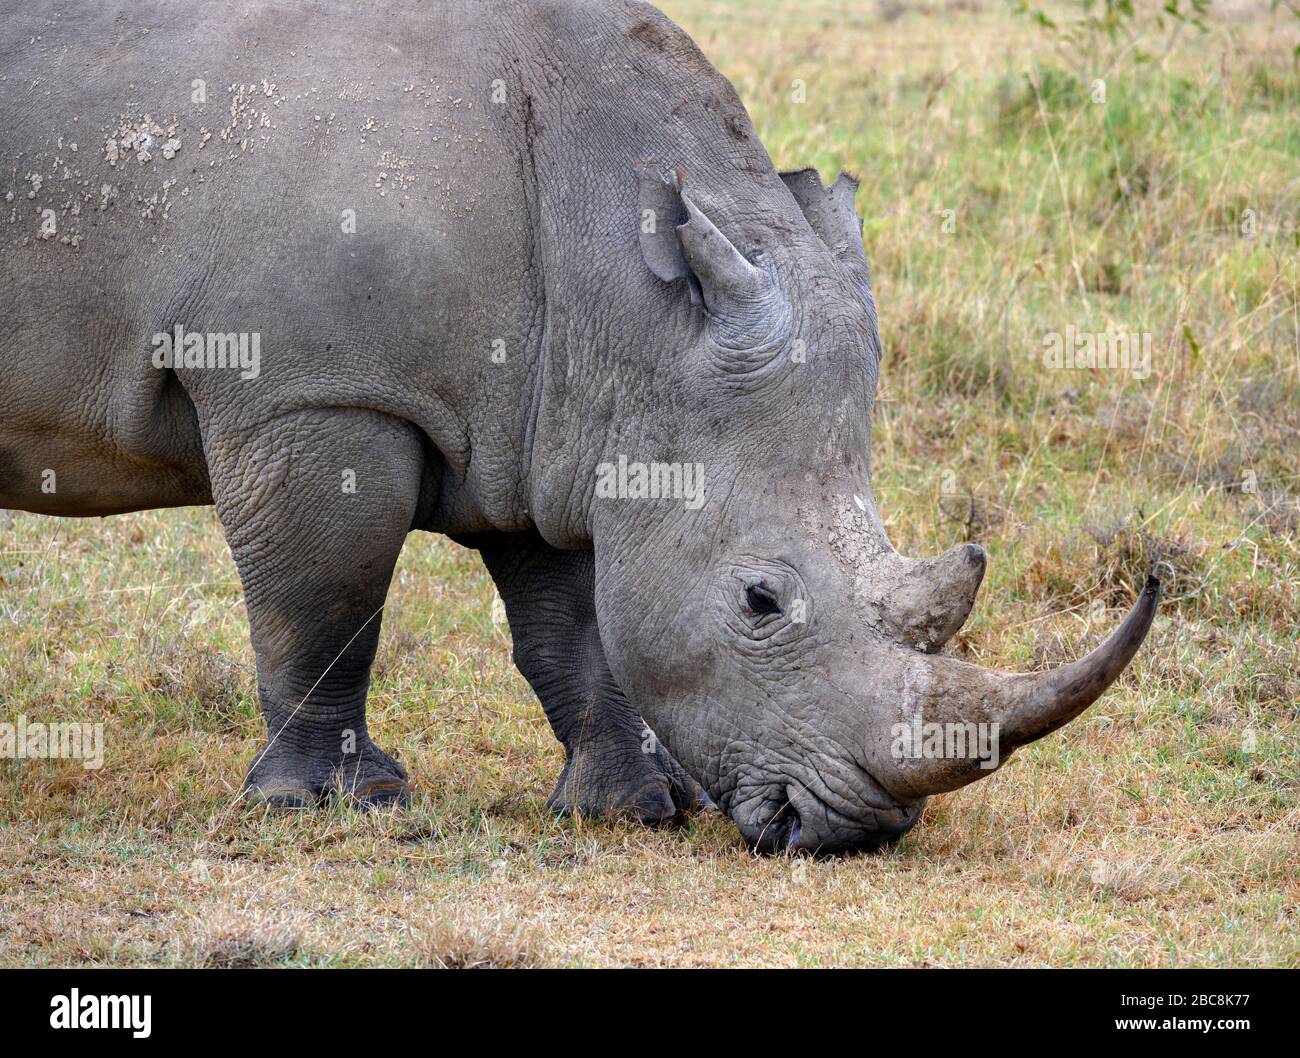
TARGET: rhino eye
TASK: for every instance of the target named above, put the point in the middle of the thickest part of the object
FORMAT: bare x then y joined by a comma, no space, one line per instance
761,600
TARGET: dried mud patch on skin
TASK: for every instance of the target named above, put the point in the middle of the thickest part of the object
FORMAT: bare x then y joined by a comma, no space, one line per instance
67,185
141,139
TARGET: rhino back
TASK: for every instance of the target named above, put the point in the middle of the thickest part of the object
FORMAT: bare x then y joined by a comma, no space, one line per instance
482,153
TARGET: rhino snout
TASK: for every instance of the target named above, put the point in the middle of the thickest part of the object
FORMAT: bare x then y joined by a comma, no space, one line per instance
804,822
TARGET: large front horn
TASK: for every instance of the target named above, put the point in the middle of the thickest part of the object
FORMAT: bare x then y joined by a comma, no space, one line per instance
957,695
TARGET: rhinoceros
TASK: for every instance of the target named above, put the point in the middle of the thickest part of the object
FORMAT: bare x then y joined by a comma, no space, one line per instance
520,273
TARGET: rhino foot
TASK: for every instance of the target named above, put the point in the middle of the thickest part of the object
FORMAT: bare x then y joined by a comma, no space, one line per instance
650,788
288,779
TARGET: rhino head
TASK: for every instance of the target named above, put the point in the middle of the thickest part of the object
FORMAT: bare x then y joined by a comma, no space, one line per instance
769,633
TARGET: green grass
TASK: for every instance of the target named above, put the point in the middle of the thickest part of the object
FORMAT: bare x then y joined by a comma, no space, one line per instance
1160,828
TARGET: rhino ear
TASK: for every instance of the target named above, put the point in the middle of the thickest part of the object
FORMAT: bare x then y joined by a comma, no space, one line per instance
660,211
679,242
829,210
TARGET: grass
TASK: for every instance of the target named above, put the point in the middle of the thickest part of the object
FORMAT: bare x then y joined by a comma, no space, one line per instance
1161,828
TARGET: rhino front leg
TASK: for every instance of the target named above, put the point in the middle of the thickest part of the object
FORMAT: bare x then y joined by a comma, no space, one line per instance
315,507
613,765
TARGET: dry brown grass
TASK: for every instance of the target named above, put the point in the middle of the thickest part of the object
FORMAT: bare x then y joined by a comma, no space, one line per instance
1162,828
226,938
459,938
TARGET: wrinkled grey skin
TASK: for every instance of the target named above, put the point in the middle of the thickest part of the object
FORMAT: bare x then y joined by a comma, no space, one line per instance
569,246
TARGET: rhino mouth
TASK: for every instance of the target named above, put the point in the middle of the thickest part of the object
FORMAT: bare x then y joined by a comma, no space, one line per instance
781,833
802,821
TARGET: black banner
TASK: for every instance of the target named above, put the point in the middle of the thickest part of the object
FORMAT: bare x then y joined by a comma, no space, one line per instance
1223,1008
